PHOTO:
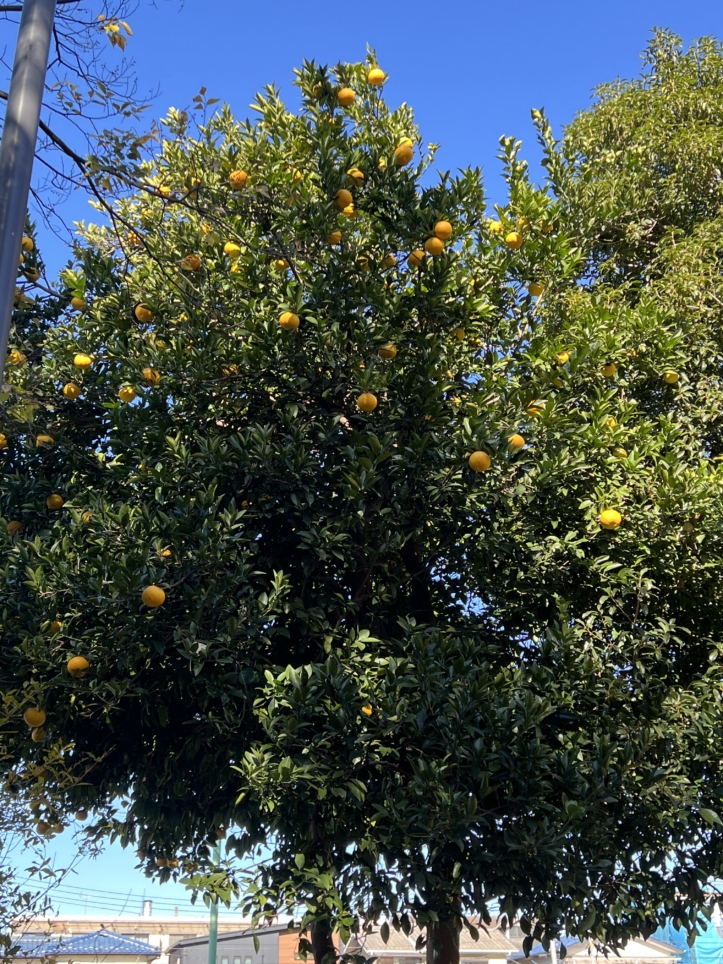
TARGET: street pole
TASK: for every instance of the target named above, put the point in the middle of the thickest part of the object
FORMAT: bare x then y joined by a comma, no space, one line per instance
213,929
17,148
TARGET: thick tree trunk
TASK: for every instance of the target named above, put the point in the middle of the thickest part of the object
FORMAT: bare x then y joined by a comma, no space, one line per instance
322,943
443,937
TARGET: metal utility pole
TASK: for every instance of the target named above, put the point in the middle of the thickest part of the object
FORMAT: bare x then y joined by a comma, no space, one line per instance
17,148
213,929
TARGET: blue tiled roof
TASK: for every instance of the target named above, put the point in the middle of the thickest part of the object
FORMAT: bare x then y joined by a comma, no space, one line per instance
100,943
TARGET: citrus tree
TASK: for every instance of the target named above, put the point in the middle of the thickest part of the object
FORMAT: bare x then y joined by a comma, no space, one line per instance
346,517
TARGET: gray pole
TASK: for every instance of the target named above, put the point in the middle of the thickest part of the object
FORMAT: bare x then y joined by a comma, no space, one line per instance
17,148
213,928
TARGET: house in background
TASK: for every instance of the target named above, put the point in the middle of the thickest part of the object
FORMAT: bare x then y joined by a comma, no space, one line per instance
277,945
493,947
161,931
101,946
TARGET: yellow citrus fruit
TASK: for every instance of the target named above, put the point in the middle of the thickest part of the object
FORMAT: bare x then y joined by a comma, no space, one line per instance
611,422
443,230
334,238
367,402
349,211
37,736
151,375
126,393
3,441
610,518
363,262
479,461
71,390
367,709
34,716
416,258
78,304
27,243
356,175
281,264
56,625
403,154
143,313
153,596
535,409
516,441
162,862
620,453
288,320
238,179
343,198
536,289
388,351
609,369
164,190
346,96
191,262
389,261
434,246
494,227
514,240
670,378
562,358
82,360
55,501
86,517
376,76
557,382
17,358
296,175
78,666
14,527
458,334
47,440
232,250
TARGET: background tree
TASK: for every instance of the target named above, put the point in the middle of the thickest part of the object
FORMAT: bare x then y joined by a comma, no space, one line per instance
435,684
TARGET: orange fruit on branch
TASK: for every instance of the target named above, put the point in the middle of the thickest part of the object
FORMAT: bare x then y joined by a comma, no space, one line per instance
346,97
55,501
153,597
343,198
34,716
143,313
479,461
288,320
443,230
78,666
71,390
376,76
434,246
82,361
367,402
610,518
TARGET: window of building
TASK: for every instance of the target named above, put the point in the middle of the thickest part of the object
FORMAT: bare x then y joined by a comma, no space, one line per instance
237,960
247,960
224,960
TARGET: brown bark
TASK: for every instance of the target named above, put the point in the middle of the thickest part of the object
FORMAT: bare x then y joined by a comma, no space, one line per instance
443,937
322,942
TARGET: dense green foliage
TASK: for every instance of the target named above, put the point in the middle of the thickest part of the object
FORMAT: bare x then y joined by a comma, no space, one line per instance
431,687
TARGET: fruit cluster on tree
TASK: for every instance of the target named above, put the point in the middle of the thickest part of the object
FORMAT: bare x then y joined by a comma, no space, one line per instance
348,519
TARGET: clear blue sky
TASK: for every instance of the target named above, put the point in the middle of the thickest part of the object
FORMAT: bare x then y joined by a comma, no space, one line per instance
472,69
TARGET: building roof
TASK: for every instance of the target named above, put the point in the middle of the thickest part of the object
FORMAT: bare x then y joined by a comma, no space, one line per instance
100,943
575,948
491,941
234,935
